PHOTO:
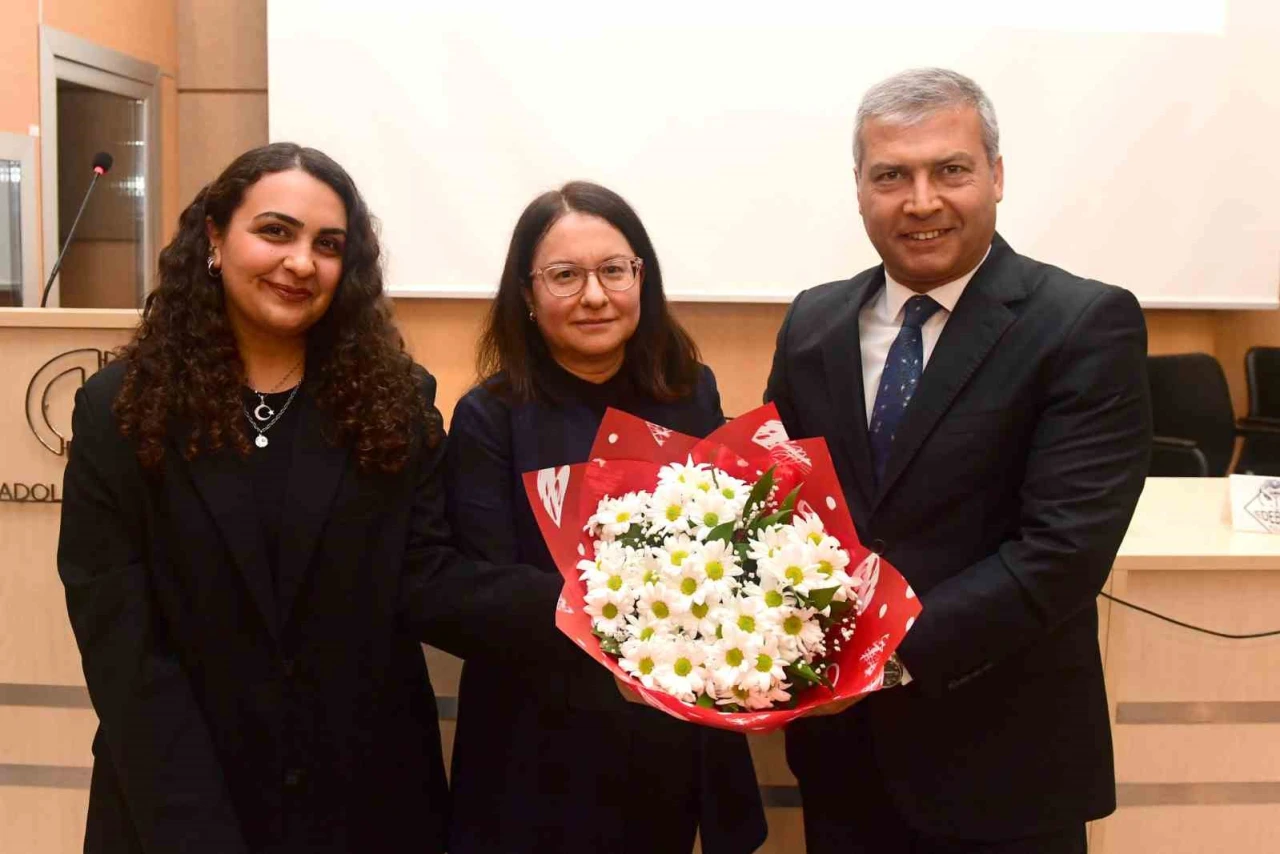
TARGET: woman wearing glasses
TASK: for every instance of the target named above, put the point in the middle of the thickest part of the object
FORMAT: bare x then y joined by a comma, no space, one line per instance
553,759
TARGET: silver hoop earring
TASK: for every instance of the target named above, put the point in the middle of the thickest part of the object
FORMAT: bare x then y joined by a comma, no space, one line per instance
532,316
213,274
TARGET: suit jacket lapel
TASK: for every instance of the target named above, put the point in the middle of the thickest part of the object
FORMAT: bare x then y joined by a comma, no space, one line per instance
979,320
314,476
842,363
224,484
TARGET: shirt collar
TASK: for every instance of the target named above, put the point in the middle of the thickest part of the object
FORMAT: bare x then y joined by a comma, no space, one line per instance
896,295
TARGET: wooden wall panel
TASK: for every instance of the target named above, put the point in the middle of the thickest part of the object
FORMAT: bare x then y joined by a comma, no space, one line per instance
213,129
222,44
145,29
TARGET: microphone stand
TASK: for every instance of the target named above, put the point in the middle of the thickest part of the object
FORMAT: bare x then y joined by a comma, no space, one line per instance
57,265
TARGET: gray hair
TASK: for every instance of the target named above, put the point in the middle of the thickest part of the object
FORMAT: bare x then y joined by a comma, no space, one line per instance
912,96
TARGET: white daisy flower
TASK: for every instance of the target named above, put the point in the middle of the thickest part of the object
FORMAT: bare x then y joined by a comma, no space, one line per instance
809,528
669,511
609,609
703,619
794,565
766,543
717,563
642,658
709,509
615,516
729,658
685,476
801,636
766,671
753,698
831,558
681,674
659,602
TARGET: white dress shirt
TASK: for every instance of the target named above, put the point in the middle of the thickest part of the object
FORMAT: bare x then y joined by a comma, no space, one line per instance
881,319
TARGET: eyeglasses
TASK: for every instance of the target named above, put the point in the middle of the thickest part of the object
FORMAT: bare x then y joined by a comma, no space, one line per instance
566,280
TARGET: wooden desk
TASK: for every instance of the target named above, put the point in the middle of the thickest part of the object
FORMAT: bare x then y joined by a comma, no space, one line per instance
1196,719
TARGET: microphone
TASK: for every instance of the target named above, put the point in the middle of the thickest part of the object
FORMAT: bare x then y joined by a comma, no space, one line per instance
101,165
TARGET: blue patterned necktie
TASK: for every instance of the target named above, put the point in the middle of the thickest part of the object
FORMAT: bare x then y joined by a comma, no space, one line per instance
902,369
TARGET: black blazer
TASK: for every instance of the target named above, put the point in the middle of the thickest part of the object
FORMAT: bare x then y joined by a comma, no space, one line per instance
236,720
550,758
1013,477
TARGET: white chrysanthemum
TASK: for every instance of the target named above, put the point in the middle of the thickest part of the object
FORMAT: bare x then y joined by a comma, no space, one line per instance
708,510
718,566
766,543
613,568
832,560
675,551
645,626
794,564
615,516
659,602
766,671
668,511
729,658
690,585
609,609
686,476
808,528
703,619
642,658
681,673
743,613
800,636
772,592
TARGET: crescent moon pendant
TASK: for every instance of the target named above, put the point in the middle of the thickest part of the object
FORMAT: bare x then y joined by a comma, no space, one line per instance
260,409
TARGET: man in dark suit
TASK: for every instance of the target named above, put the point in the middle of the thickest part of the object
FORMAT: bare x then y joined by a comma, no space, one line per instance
989,419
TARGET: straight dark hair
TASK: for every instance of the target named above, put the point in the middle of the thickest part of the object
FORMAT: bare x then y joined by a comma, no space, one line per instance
661,359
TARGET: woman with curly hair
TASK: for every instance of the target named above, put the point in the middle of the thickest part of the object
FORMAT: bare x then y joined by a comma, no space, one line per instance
254,542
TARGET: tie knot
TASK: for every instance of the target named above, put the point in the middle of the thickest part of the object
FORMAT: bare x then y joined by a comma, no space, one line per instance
919,309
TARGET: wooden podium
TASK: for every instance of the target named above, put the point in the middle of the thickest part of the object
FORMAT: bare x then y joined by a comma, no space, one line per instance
46,723
1196,718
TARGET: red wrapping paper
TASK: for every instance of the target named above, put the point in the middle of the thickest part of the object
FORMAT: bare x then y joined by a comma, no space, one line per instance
626,456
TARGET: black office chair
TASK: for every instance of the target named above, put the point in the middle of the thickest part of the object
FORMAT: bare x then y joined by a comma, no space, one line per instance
1193,421
1261,427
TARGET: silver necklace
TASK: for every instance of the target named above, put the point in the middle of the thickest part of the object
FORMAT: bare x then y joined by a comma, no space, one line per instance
261,430
262,411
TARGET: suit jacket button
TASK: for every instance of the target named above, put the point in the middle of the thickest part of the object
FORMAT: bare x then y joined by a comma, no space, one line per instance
877,546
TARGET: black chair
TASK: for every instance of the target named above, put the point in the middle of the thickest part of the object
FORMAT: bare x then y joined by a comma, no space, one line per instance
1194,424
1261,427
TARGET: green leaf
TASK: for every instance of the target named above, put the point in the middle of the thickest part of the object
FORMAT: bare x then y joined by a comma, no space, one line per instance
789,503
758,493
705,701
805,673
608,643
723,531
821,599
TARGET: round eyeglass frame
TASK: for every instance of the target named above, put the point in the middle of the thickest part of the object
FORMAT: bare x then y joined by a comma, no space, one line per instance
637,267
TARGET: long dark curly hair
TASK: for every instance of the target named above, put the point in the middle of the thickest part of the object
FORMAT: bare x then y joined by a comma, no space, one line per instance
661,358
184,370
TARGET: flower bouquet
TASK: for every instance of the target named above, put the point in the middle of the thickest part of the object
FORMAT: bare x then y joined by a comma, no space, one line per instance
721,578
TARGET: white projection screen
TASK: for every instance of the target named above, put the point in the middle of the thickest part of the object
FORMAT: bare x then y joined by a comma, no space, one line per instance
1141,138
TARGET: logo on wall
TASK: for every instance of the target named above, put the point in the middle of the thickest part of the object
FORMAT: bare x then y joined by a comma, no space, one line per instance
51,395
